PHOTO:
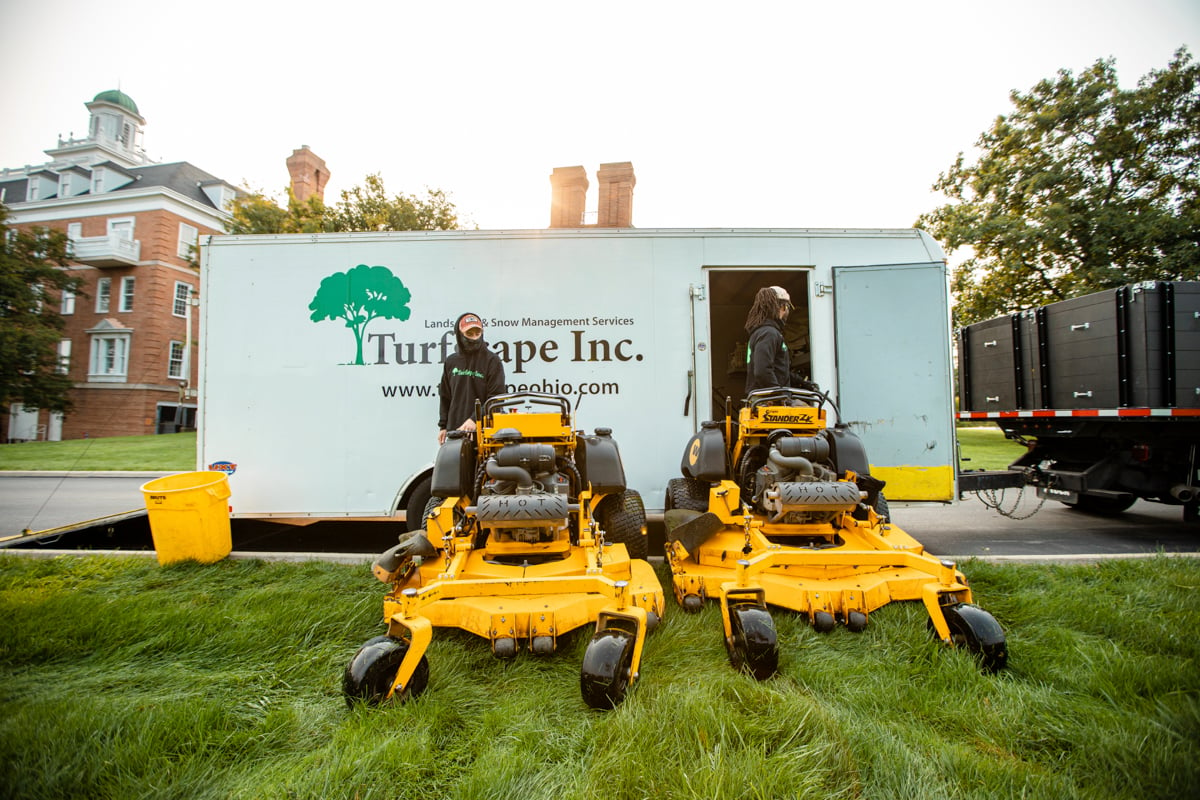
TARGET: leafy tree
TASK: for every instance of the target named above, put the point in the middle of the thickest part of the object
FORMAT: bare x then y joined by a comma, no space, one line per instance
31,283
257,213
363,208
1083,186
358,296
368,208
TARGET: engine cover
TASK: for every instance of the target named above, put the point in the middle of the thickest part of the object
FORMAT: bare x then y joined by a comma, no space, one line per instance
812,496
521,510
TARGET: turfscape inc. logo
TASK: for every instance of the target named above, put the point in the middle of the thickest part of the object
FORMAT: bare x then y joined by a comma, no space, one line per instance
228,467
358,296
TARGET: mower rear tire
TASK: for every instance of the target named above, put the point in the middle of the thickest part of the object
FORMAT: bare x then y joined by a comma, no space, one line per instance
623,519
753,646
604,676
687,494
369,676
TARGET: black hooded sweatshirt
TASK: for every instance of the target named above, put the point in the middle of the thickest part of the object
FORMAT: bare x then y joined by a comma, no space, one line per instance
767,359
473,372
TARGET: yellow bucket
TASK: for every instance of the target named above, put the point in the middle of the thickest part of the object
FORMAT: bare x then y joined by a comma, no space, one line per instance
189,516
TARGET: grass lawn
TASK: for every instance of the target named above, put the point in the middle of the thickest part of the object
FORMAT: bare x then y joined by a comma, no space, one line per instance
170,452
981,447
123,679
984,447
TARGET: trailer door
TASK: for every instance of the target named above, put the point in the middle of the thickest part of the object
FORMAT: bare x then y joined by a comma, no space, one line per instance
892,334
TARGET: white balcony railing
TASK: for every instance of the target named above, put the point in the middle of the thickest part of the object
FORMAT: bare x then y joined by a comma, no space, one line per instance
106,251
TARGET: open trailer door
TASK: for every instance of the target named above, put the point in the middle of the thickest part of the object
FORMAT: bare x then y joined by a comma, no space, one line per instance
892,326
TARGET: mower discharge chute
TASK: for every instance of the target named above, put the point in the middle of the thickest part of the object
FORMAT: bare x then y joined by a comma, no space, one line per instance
531,533
777,509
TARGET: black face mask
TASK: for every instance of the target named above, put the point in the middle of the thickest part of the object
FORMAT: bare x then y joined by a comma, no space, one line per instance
468,346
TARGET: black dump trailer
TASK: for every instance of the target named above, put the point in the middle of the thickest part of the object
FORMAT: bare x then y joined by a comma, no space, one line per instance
1104,389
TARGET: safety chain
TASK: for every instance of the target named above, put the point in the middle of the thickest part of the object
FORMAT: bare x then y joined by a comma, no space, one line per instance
994,498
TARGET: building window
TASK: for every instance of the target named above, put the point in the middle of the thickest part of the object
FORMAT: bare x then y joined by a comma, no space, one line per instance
183,294
175,362
188,235
126,294
68,303
103,294
64,356
121,228
110,355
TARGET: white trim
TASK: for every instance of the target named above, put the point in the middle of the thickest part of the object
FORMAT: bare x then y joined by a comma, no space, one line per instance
122,201
111,346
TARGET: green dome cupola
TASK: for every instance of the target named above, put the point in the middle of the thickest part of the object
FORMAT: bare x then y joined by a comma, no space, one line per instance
118,98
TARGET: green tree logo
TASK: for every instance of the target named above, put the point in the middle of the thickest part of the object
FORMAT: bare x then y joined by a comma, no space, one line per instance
359,296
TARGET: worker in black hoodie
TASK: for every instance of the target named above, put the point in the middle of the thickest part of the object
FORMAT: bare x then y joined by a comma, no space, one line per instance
473,372
768,363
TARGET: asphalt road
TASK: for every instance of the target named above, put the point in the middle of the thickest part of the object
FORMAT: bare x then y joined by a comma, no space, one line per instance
39,502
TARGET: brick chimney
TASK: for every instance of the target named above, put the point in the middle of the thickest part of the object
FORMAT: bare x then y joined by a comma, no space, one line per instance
568,194
616,182
308,172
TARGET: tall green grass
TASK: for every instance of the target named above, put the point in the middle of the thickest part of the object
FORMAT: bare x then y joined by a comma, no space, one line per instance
123,679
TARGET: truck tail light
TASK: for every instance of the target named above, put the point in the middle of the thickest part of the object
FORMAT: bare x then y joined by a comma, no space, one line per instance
1141,453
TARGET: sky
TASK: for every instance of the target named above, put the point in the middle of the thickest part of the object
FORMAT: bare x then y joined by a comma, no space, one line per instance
752,114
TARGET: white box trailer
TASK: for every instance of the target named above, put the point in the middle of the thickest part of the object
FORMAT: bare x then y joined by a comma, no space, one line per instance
316,411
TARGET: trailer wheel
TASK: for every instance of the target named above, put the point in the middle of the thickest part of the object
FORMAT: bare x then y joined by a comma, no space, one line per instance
623,518
370,673
687,494
753,646
1102,505
604,676
418,501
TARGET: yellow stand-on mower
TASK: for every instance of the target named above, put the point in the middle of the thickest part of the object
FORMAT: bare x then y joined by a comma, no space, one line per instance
777,509
531,533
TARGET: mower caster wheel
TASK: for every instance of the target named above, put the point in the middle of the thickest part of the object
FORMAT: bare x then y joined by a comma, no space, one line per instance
604,676
823,622
753,646
692,603
369,676
979,632
504,648
652,621
856,621
542,645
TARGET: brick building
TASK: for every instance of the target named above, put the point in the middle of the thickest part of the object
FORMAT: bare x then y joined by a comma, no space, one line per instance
130,344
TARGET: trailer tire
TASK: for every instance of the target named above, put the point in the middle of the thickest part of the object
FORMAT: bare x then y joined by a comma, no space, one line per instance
418,501
1102,505
623,519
